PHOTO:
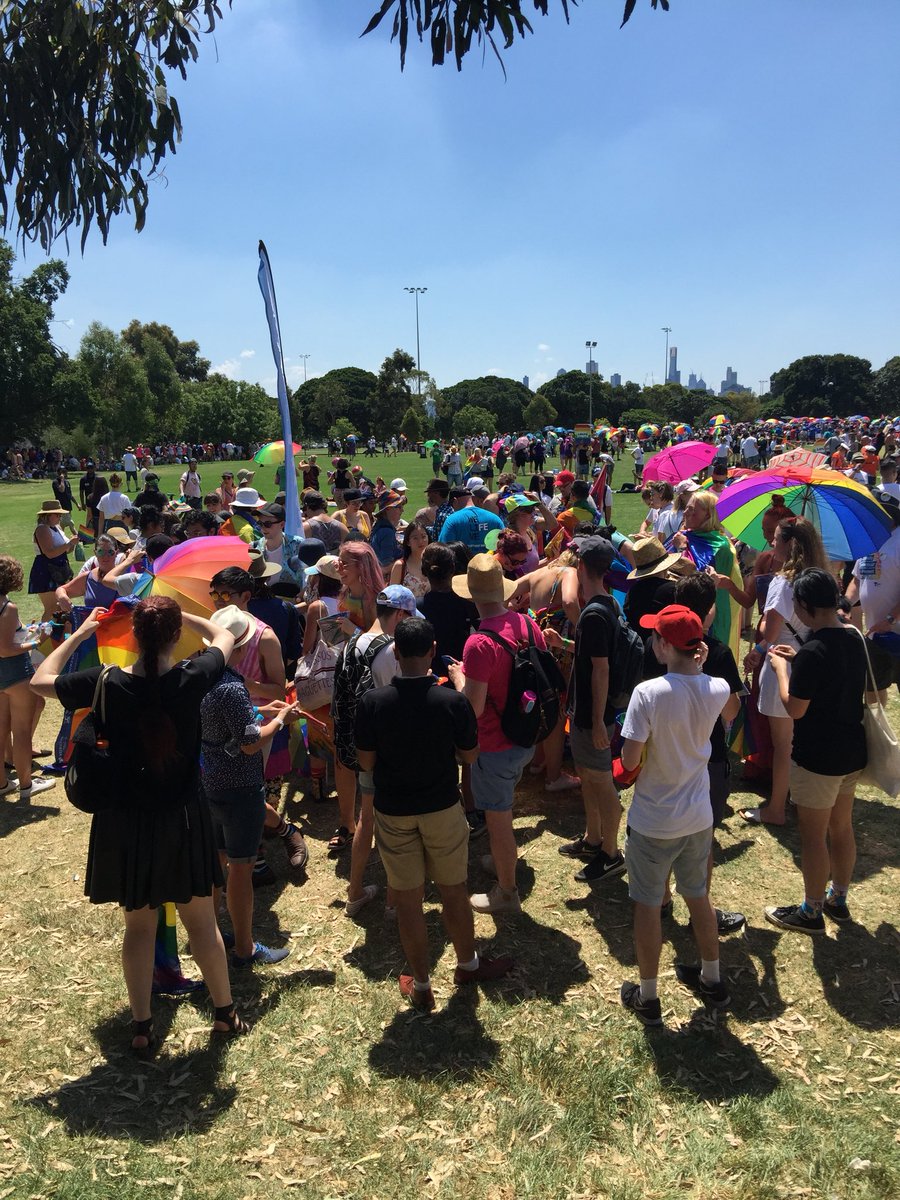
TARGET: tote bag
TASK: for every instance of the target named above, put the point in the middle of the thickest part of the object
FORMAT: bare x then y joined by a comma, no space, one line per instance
314,679
883,768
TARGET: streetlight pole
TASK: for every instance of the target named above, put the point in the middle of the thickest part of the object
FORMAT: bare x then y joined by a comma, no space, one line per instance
590,347
304,357
415,291
667,329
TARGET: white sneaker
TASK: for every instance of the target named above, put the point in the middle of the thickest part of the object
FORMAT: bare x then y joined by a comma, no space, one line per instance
352,907
11,786
563,783
41,784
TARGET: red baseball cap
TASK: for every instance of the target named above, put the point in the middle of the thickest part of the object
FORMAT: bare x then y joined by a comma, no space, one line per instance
564,478
676,624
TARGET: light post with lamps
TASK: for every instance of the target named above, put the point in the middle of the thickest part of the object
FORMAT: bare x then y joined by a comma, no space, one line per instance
415,291
590,347
667,329
304,357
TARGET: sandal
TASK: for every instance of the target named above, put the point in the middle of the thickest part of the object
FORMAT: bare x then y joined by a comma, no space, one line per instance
340,840
754,816
41,753
144,1029
228,1015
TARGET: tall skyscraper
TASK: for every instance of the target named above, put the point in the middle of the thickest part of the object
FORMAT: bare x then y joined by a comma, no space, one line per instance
616,380
730,383
525,381
674,375
590,368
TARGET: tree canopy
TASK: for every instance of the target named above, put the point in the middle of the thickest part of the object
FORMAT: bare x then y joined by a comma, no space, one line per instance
344,392
505,398
820,385
86,116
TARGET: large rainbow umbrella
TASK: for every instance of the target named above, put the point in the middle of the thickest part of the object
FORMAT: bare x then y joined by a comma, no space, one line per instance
683,431
272,454
679,462
646,431
849,518
718,421
184,571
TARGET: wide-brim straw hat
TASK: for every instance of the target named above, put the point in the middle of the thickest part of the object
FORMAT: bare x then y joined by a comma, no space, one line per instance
120,535
260,567
49,507
652,558
483,582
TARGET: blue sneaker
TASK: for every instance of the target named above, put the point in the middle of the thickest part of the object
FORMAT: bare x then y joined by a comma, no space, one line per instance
262,956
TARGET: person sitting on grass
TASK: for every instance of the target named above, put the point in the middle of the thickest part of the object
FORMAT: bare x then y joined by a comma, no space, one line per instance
670,819
420,827
823,694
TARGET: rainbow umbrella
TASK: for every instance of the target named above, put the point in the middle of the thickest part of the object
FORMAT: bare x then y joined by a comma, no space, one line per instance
798,458
184,571
849,518
718,421
116,644
273,453
683,431
646,431
679,462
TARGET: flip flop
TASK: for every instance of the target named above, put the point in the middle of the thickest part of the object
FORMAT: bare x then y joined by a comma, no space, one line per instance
753,816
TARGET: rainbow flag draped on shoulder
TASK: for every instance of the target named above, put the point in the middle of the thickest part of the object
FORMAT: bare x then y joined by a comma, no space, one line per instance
714,550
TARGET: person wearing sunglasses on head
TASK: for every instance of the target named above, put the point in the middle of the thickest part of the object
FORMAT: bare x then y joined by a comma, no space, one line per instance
226,491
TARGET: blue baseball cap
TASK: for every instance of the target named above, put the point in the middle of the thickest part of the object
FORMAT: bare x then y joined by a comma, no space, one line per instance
395,595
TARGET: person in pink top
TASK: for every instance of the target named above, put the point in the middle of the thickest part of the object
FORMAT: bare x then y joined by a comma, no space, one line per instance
483,677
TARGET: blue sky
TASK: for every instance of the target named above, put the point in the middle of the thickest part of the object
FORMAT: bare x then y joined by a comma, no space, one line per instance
728,168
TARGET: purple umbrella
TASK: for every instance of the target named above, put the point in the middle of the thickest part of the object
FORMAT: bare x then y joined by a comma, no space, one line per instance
679,462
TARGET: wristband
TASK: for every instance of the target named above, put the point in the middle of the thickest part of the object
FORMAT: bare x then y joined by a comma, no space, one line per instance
279,721
761,647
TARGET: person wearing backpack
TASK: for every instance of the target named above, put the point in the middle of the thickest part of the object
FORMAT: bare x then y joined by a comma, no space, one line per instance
484,677
367,662
607,666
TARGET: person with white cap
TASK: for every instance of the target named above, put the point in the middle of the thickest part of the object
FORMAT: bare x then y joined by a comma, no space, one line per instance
232,742
367,661
398,485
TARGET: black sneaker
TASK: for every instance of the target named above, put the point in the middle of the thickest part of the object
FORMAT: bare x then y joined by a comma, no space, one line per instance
648,1012
580,848
791,917
601,867
715,995
837,910
477,823
729,922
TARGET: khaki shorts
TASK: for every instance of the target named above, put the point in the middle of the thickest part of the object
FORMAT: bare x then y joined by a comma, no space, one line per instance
423,846
809,790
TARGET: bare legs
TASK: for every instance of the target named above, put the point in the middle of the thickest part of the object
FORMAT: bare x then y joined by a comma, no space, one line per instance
503,848
782,739
602,809
827,847
17,718
345,781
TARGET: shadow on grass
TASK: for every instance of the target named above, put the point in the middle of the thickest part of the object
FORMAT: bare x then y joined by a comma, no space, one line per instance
860,974
174,1093
450,1044
16,813
706,1060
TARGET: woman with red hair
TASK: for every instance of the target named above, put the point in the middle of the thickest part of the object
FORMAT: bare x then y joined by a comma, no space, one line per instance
154,843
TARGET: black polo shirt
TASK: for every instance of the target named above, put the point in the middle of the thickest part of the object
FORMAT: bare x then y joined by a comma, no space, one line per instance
415,727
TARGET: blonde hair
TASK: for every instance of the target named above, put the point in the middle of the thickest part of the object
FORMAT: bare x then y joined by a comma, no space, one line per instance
708,500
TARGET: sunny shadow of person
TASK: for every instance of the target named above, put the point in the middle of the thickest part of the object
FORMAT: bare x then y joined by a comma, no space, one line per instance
548,961
858,971
450,1043
19,813
705,1059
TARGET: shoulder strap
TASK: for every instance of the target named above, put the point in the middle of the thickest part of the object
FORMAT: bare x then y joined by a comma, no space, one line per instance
377,644
3,607
495,637
865,643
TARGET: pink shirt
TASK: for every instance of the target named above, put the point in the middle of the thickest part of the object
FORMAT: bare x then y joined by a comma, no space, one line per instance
486,662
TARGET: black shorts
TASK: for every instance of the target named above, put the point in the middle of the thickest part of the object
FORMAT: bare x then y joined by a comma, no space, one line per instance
885,666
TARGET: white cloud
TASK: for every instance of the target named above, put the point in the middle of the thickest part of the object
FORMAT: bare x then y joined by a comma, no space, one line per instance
543,347
536,380
230,368
247,353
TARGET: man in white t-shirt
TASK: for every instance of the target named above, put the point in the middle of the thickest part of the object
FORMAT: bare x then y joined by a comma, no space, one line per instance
889,483
191,485
750,451
113,504
876,585
638,455
130,465
670,820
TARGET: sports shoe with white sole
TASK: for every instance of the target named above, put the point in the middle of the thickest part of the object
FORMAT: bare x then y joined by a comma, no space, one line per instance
496,901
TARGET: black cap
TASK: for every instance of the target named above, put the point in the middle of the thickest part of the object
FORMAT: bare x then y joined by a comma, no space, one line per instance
597,553
276,511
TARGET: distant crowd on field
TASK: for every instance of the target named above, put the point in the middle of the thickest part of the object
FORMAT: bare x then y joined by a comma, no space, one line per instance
435,649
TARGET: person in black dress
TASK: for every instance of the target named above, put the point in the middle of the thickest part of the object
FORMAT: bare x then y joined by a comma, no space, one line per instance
156,843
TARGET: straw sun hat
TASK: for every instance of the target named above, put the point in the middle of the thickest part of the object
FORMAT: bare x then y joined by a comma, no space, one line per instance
484,581
652,558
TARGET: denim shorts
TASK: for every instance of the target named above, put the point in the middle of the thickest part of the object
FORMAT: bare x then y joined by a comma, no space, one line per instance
495,775
15,669
238,815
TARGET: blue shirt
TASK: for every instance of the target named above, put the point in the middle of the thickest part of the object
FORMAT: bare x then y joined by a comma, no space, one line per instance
470,525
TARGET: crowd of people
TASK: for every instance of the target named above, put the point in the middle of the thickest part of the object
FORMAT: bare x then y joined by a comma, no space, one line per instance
438,649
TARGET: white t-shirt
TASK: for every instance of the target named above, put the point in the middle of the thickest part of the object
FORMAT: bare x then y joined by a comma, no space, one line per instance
129,462
638,455
384,664
879,581
190,485
112,504
675,715
722,449
665,522
749,448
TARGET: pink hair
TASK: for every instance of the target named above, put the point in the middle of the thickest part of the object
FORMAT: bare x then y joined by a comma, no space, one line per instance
371,575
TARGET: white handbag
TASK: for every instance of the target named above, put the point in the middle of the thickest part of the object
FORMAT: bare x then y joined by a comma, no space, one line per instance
314,680
883,767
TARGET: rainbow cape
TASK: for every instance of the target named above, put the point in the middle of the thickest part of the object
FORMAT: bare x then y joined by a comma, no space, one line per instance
715,550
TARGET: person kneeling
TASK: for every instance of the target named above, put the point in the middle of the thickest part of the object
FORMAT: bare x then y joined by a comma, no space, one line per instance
411,735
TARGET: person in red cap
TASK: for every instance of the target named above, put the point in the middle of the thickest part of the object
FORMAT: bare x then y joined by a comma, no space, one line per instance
668,723
563,485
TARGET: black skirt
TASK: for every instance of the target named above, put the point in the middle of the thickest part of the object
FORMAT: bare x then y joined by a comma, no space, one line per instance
140,857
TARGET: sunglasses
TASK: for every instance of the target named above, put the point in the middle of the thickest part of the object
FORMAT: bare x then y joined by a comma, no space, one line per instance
223,596
516,562
268,524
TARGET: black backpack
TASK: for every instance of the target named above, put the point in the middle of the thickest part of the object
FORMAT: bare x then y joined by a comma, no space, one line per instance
535,683
626,662
352,679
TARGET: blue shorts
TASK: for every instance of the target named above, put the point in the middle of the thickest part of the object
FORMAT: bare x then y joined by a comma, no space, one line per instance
15,670
238,815
495,775
649,861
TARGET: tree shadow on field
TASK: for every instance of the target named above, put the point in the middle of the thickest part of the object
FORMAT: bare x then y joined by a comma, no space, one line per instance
860,973
450,1044
705,1059
15,814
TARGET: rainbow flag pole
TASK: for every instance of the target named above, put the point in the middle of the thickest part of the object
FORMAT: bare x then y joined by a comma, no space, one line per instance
167,977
